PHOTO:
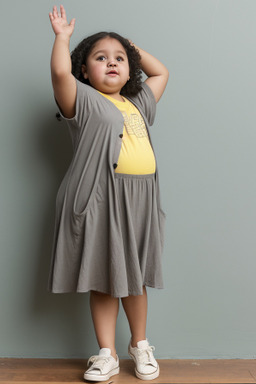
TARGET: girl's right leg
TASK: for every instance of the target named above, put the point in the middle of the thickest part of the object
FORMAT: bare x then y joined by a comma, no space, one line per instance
104,310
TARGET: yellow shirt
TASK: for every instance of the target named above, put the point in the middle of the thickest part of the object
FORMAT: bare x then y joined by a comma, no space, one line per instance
136,155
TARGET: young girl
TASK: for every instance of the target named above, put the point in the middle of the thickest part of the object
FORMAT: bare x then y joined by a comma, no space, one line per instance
108,235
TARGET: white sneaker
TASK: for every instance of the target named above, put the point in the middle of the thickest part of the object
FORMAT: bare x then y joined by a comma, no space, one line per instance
102,367
147,367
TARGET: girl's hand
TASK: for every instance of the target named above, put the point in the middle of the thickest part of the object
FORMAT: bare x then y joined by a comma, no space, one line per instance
59,22
156,71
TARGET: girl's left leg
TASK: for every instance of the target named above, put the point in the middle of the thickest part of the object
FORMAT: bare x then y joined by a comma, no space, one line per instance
141,352
136,308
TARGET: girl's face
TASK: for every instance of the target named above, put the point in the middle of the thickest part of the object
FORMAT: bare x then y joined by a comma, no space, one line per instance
107,67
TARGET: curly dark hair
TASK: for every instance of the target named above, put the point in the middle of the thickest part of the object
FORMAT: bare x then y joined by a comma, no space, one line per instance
80,53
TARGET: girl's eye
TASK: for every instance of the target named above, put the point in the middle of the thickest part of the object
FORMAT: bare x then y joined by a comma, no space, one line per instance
119,58
101,58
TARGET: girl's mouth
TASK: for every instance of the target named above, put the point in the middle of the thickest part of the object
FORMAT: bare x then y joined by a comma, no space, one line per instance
112,73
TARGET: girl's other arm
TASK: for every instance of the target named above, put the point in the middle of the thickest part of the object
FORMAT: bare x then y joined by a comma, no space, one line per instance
64,83
156,71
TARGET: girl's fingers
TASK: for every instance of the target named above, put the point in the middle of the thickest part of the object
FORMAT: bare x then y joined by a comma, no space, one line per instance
55,12
63,12
54,15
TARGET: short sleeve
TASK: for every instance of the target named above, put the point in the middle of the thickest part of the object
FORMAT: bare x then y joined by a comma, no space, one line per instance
145,99
77,123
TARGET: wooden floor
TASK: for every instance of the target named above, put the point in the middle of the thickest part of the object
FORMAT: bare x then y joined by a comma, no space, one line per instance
56,371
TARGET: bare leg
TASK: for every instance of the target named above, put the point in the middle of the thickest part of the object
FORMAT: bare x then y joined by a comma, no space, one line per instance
104,310
135,308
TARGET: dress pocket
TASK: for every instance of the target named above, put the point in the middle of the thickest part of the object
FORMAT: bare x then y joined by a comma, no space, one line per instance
81,206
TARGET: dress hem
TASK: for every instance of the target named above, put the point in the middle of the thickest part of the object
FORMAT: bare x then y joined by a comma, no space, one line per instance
129,293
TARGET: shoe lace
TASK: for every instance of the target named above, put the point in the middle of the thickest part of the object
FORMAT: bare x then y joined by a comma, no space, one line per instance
98,361
145,355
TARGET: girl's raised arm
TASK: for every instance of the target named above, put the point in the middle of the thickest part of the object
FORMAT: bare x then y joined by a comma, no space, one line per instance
156,71
64,84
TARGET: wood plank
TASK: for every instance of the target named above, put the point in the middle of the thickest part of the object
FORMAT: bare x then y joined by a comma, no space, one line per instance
56,371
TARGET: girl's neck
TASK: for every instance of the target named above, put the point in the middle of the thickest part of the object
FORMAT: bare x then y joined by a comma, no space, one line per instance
115,96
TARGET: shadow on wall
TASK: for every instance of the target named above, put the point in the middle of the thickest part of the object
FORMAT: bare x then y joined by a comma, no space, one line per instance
64,316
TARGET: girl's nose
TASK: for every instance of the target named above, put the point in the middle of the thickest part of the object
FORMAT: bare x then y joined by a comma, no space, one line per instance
112,63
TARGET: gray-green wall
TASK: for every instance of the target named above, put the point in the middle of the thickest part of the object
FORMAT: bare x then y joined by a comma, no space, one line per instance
205,138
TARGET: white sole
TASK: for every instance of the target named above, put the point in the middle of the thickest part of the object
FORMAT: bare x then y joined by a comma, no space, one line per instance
90,377
150,376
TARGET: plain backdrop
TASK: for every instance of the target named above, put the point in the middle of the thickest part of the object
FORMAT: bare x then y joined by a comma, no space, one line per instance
204,137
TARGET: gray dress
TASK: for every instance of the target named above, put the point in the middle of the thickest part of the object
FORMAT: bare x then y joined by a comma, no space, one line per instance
109,227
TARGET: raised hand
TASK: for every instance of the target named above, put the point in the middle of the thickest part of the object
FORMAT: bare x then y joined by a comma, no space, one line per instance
59,22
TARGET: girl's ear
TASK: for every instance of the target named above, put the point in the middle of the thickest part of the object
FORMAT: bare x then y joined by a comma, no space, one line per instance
84,71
